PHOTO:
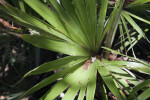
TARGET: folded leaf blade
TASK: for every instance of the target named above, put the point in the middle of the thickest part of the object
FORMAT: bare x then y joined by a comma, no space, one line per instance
51,79
134,25
47,14
69,80
137,2
57,64
32,21
101,21
58,46
106,76
71,22
138,87
91,87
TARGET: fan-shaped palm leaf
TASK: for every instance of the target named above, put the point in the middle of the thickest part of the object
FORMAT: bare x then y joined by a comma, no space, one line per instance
78,29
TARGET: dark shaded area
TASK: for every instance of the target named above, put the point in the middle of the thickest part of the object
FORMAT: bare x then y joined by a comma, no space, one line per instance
16,59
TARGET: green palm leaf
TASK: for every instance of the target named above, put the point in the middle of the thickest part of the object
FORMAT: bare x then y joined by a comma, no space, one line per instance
72,23
135,26
101,21
79,28
137,2
91,82
138,87
50,79
47,14
59,46
79,79
57,64
137,17
106,76
145,95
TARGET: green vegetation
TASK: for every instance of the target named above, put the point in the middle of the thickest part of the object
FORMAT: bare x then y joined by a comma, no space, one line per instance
85,31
